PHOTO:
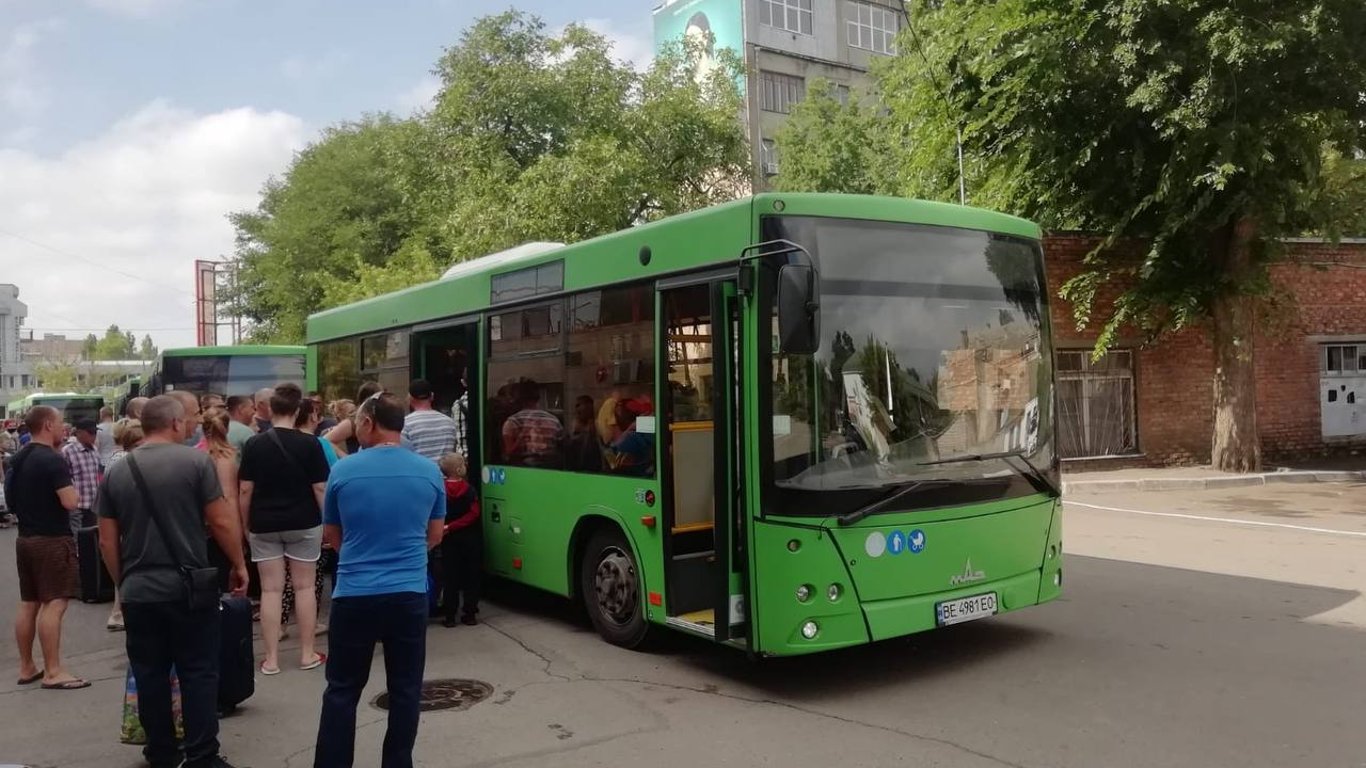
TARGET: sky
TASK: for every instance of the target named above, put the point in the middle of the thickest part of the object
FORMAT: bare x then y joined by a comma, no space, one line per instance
130,128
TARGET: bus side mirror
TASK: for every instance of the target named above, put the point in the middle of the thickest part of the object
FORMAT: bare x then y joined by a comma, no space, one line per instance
798,309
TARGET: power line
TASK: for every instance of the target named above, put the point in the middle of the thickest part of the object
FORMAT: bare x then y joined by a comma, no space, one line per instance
90,261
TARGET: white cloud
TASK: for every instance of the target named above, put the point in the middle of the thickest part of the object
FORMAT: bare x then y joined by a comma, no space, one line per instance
147,197
139,8
420,95
627,44
23,94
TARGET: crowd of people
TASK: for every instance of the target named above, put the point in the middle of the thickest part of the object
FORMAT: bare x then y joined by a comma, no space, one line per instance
202,499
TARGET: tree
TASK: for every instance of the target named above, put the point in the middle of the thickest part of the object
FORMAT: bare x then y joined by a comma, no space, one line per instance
1203,131
148,351
833,147
534,136
90,347
55,378
342,202
116,345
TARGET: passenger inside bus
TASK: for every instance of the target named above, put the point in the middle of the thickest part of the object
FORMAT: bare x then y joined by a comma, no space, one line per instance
632,452
583,452
532,436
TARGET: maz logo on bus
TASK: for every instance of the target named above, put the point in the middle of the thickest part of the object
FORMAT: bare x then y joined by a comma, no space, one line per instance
967,576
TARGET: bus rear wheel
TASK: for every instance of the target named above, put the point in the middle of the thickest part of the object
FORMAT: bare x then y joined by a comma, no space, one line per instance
610,582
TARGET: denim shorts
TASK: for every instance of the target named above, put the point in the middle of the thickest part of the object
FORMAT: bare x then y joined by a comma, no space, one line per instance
304,545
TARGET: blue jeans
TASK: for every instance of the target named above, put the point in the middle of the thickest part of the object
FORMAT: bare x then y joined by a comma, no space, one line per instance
160,635
399,621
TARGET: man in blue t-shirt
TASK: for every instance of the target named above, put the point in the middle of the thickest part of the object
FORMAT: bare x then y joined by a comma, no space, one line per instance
384,509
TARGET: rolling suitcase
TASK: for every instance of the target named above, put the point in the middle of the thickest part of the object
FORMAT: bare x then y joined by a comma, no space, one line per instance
236,657
96,586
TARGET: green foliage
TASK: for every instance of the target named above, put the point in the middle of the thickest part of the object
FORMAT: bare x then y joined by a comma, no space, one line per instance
534,136
148,350
116,345
55,378
833,147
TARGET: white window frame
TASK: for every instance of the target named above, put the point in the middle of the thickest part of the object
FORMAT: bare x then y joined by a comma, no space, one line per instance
795,16
1090,374
779,91
1349,359
872,27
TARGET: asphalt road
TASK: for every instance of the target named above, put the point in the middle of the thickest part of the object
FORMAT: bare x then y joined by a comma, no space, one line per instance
1224,630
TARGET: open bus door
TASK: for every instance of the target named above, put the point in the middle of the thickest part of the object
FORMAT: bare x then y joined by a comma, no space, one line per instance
706,582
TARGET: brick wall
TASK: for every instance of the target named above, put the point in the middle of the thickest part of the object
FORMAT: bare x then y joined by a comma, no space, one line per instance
1325,290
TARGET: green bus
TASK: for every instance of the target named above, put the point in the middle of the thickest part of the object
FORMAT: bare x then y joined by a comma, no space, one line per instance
789,423
227,370
73,407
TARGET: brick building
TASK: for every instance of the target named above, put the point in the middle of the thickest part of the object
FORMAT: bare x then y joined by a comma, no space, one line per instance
1153,405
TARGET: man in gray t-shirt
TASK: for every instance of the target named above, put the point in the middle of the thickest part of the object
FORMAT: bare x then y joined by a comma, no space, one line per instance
162,629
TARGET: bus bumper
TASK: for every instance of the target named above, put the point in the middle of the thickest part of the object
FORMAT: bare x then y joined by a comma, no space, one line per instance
907,615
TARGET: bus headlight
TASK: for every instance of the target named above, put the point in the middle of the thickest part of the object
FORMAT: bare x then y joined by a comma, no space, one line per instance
810,630
833,592
803,593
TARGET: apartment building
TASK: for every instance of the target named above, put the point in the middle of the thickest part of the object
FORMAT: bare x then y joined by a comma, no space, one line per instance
16,374
787,46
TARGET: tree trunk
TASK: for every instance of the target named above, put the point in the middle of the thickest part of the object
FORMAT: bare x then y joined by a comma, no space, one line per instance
1236,444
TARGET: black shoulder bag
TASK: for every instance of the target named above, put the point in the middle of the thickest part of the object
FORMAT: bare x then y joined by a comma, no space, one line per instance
201,584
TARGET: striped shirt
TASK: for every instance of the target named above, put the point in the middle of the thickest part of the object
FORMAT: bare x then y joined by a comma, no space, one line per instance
534,438
431,432
84,464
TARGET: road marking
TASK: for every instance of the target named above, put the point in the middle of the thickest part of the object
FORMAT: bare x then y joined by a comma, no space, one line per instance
1230,520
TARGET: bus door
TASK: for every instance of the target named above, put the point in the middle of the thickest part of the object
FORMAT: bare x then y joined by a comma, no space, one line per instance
705,584
447,356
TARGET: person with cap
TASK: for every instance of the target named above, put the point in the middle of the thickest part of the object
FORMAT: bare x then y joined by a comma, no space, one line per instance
83,463
633,451
432,432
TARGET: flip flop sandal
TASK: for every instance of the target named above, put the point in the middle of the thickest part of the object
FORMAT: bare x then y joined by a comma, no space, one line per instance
318,662
67,685
30,680
268,672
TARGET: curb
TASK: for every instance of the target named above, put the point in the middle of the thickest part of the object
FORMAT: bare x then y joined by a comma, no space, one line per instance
1210,483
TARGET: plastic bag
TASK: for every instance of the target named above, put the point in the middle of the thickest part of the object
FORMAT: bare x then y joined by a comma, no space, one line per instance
130,731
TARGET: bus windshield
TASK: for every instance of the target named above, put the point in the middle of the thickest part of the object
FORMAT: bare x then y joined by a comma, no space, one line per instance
934,367
231,374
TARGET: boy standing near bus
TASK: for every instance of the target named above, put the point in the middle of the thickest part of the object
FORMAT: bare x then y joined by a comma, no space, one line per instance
462,544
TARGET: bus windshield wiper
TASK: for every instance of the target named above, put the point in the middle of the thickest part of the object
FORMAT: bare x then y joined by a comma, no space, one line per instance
850,518
1026,468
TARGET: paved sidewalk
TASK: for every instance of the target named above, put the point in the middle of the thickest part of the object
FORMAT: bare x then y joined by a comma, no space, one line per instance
1199,479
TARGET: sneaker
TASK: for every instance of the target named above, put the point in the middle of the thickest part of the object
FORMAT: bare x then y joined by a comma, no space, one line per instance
469,620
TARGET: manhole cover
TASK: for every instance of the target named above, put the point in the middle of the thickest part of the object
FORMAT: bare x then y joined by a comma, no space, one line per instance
446,694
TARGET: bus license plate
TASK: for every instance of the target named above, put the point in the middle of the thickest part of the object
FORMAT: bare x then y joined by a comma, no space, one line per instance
965,609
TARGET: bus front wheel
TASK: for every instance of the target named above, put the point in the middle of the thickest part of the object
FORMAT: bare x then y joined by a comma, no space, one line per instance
610,580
